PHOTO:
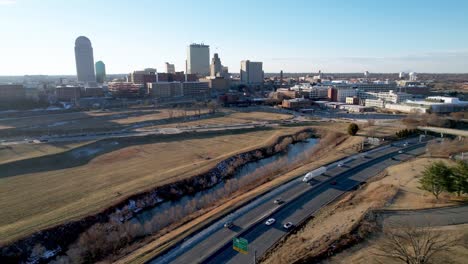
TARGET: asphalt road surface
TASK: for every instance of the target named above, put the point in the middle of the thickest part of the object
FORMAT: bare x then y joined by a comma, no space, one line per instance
214,245
455,215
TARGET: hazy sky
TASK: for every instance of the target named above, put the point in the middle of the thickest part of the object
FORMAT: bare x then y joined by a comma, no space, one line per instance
37,36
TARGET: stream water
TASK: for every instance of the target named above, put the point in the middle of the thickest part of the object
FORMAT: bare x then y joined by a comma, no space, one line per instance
171,210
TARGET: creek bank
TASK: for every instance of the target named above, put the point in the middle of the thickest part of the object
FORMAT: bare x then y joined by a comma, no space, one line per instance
58,238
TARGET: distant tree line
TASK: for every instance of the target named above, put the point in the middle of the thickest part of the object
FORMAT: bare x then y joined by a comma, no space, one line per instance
404,133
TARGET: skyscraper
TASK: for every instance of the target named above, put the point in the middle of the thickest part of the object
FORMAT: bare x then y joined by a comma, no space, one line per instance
100,72
216,67
251,72
198,59
170,68
84,60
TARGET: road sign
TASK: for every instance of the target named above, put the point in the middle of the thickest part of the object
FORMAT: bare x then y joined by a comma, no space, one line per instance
241,245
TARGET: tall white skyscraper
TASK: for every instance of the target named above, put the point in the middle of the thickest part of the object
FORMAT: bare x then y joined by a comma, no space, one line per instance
198,59
251,72
84,60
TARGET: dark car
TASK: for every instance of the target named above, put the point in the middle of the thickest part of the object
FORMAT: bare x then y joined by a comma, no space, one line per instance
278,201
333,183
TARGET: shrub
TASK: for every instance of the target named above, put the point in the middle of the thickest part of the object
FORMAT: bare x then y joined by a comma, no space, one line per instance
353,129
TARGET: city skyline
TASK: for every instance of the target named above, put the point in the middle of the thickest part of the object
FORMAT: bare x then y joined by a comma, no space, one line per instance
302,36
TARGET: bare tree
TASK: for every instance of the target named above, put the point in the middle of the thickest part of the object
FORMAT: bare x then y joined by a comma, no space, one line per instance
413,245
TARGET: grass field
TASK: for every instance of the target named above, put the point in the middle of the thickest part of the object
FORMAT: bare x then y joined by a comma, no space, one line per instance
86,120
25,151
232,118
79,122
363,253
30,202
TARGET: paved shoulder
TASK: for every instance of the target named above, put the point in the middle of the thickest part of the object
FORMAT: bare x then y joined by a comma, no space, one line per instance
452,215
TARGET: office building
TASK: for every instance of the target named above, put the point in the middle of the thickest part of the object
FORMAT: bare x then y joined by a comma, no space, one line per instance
92,92
296,103
379,103
100,72
390,96
198,59
352,100
251,72
165,89
339,95
175,77
84,60
196,89
170,68
144,77
308,91
68,93
125,89
216,67
217,84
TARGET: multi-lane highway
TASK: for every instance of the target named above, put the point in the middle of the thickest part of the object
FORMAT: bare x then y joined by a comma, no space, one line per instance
213,244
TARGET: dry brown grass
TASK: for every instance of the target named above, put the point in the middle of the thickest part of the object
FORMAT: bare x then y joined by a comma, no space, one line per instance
331,223
88,120
363,252
397,190
409,196
231,118
447,147
323,156
31,202
9,153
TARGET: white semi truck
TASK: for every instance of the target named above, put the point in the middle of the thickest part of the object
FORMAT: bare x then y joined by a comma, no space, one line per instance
312,174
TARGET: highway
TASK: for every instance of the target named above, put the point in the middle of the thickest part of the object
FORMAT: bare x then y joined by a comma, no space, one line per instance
213,244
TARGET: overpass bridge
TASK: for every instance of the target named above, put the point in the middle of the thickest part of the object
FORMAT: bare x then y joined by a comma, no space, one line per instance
445,131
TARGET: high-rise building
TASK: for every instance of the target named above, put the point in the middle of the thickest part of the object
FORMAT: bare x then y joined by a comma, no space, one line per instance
170,68
198,59
84,60
100,72
251,72
216,67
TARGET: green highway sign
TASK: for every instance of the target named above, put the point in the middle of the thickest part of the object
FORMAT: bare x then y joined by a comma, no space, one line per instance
241,245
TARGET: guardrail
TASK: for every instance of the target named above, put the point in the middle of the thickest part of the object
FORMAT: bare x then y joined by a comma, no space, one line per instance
303,221
221,216
327,181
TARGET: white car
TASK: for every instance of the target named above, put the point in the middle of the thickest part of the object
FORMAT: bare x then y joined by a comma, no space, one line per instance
340,165
270,221
400,151
288,225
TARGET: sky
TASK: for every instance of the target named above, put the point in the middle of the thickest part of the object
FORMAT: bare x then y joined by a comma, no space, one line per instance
38,36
